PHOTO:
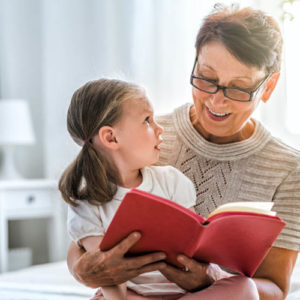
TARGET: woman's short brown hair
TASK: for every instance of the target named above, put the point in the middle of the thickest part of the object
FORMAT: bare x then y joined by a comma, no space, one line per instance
250,35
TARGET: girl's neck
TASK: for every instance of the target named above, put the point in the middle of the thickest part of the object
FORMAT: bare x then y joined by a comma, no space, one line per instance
130,179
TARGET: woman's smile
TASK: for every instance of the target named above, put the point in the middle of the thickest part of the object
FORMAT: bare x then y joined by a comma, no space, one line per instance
216,116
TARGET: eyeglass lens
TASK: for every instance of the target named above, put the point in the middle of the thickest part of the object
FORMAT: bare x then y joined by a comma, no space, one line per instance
210,87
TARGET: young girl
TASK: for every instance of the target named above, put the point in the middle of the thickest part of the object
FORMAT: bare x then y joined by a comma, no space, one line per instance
113,122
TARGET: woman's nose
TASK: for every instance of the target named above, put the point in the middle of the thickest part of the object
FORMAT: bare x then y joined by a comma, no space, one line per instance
218,98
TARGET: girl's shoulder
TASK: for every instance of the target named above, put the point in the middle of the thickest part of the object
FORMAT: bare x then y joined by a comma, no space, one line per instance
170,183
166,173
165,170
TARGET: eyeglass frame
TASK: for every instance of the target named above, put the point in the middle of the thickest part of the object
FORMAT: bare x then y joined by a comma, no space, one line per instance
224,88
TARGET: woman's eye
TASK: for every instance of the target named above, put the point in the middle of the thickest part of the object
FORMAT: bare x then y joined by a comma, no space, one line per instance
147,120
210,79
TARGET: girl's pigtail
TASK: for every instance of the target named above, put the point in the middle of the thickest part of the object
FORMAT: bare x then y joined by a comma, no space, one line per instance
70,180
87,179
99,185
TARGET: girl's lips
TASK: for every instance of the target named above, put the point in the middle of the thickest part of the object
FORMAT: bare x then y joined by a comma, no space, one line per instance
216,117
157,146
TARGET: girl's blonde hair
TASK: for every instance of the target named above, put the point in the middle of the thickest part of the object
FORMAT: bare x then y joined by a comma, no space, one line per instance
92,176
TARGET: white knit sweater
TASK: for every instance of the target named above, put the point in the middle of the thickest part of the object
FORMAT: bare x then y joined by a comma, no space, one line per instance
261,168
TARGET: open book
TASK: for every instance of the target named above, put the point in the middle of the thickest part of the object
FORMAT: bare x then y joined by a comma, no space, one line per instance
236,235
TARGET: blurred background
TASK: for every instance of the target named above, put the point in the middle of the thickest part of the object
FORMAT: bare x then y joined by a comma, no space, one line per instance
48,48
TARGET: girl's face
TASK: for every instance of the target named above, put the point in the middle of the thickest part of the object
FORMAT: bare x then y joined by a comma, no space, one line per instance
138,135
215,116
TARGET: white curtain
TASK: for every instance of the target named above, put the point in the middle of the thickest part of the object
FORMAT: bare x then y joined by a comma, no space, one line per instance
51,47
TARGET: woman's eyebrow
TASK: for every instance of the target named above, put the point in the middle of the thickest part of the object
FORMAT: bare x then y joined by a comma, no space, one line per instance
242,77
234,78
207,66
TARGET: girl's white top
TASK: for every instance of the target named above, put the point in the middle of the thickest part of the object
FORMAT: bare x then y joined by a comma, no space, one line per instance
91,220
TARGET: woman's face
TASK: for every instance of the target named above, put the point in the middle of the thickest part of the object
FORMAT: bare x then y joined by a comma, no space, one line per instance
215,116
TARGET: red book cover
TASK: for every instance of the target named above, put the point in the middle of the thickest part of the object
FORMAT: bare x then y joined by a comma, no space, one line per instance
236,240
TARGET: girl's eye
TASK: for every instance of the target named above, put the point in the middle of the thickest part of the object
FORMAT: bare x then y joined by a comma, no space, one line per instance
147,120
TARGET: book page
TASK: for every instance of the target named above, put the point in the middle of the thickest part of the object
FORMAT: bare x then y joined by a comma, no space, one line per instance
263,208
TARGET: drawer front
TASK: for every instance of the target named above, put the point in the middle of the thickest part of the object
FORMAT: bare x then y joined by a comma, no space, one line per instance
26,199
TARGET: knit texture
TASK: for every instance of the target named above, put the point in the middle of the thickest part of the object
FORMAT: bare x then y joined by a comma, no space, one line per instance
260,168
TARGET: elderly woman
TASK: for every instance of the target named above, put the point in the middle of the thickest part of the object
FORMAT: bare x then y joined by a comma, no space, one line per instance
228,155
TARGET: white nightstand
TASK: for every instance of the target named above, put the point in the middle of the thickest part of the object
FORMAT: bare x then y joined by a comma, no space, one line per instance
29,199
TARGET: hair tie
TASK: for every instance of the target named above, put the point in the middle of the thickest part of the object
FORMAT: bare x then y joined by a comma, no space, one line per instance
85,141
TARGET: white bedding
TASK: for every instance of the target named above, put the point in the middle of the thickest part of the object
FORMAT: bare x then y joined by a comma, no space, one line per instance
42,282
53,281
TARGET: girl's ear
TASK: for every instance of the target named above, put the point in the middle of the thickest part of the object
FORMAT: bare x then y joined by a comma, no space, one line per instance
270,86
107,138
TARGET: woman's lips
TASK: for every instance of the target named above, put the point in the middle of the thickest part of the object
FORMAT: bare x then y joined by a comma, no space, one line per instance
217,116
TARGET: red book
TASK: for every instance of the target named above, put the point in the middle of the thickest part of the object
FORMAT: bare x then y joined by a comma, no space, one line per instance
237,235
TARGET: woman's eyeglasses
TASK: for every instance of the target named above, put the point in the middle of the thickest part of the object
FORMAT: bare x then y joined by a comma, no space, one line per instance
210,87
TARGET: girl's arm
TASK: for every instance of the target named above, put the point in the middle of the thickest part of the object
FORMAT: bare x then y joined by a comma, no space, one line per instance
91,243
114,292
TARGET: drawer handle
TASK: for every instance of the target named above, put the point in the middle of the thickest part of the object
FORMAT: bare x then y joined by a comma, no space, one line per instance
30,199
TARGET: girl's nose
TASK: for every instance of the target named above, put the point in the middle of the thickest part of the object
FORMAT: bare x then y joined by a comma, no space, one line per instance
159,129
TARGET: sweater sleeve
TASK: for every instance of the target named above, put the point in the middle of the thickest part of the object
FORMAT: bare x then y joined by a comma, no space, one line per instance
287,205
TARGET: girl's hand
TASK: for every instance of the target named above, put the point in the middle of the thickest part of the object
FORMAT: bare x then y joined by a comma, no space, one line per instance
196,275
96,269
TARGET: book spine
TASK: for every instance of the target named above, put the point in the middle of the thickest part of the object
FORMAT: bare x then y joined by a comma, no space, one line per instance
196,240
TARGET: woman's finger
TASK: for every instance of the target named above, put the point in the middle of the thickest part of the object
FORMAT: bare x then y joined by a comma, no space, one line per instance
148,268
189,263
123,247
171,272
141,261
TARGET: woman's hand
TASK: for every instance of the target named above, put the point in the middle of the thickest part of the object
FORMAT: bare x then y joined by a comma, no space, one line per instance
196,275
96,269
